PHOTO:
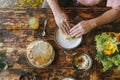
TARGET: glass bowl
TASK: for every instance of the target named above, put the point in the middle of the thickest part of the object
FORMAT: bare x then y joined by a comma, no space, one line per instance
82,61
40,54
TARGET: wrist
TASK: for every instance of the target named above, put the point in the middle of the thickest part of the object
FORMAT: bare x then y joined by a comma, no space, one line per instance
93,23
57,11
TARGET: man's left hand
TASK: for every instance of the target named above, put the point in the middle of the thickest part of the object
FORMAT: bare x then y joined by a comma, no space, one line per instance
81,28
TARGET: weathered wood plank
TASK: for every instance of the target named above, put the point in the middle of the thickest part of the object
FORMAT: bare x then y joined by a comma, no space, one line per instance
16,41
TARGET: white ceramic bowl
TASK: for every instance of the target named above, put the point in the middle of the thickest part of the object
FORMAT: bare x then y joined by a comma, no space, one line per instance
64,43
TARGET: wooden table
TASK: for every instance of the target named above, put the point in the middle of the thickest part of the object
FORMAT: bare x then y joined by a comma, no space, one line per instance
16,41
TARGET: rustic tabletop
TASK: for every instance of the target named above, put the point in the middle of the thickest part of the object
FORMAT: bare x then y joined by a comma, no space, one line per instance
14,42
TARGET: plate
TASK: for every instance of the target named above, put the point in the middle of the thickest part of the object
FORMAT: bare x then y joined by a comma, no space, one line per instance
40,54
64,43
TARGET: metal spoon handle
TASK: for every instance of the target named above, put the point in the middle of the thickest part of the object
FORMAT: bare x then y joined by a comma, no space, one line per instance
45,23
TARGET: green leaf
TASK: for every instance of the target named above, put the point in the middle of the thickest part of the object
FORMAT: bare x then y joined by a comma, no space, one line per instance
3,66
106,64
99,56
118,67
2,56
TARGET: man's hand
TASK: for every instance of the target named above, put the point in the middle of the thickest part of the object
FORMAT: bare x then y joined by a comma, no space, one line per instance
61,18
81,28
62,22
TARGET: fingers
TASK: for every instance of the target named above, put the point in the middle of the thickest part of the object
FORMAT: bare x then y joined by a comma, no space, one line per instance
66,28
67,24
74,28
81,28
62,21
76,31
79,35
62,29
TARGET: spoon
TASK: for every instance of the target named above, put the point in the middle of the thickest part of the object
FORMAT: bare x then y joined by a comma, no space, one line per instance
43,32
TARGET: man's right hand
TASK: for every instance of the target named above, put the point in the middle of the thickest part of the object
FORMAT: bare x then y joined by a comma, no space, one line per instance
61,18
62,22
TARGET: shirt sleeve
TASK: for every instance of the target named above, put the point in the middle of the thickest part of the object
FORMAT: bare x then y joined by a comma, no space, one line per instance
113,3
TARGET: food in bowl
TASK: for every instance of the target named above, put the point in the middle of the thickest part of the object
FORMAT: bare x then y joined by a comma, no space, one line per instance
40,53
82,61
66,36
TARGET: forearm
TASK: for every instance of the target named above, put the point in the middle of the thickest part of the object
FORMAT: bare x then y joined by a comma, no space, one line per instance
107,17
54,6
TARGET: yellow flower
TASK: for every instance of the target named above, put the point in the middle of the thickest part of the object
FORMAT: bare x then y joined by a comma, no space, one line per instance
107,52
110,49
117,36
109,45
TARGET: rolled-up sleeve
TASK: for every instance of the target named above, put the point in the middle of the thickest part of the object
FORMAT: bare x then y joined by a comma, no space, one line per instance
113,3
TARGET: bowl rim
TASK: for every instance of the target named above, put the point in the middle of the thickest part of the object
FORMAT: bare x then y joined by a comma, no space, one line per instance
64,47
43,66
89,58
68,77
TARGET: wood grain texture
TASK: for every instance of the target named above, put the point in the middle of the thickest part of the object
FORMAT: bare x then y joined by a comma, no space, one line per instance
16,41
